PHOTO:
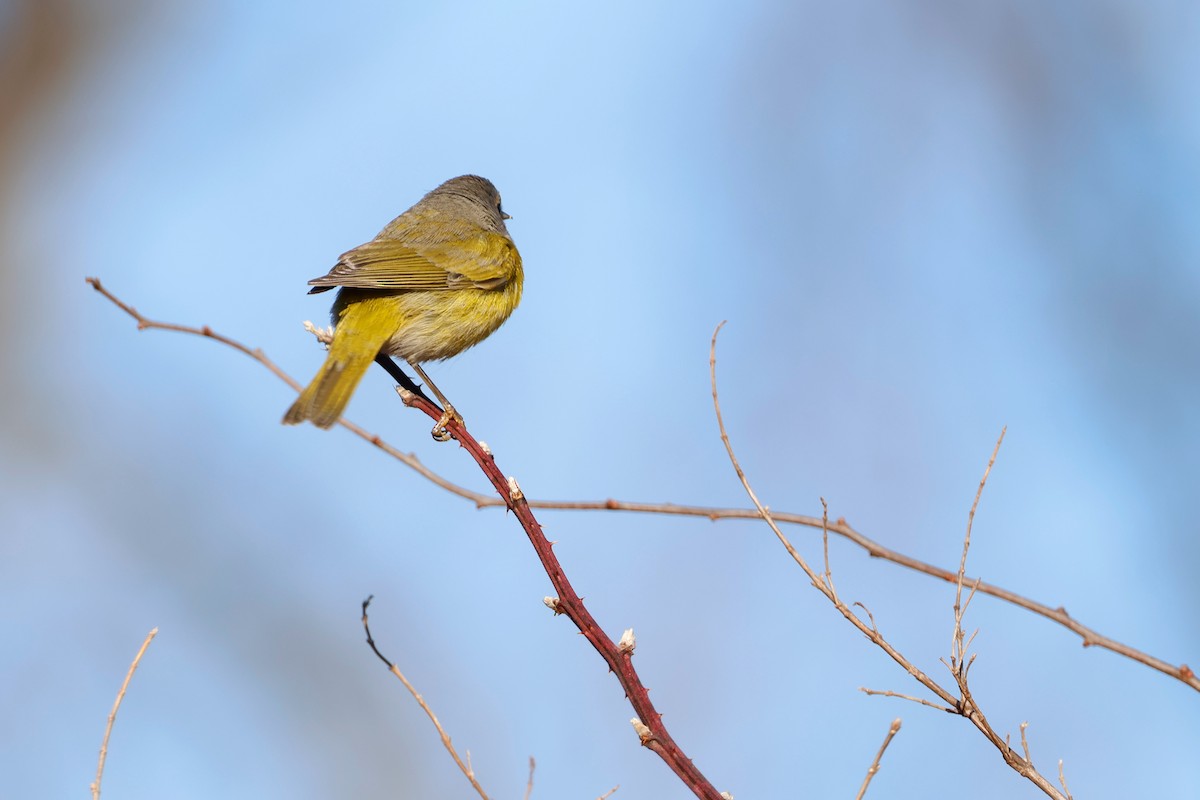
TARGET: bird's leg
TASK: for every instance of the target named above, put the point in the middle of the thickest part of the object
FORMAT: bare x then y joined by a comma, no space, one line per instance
397,374
439,431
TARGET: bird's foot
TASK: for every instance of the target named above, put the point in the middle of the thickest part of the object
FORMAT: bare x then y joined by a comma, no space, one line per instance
440,432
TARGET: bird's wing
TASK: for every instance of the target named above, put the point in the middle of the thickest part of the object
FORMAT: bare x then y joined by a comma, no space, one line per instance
383,264
486,261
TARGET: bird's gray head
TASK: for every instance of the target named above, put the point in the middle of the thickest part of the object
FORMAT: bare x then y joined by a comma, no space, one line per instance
478,192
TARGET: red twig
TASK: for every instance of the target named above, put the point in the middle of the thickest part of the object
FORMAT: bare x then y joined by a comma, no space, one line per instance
569,603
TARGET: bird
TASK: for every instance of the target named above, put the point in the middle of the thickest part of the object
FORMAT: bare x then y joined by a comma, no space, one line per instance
438,279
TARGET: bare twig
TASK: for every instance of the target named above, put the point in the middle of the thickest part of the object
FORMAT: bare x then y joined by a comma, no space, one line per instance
870,616
871,632
1090,637
965,705
890,693
609,793
463,766
874,768
409,460
828,576
957,649
112,715
1062,779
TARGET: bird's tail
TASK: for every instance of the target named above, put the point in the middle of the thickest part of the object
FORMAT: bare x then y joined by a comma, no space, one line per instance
324,400
355,344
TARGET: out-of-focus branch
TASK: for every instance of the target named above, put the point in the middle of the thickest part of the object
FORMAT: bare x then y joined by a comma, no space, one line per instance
1090,637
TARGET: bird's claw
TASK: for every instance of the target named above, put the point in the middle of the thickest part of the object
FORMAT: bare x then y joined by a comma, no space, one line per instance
440,432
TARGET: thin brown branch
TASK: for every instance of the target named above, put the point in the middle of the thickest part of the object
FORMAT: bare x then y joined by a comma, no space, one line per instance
828,575
870,616
957,649
112,715
909,697
965,706
874,768
1025,742
144,324
463,767
871,632
1062,780
1090,637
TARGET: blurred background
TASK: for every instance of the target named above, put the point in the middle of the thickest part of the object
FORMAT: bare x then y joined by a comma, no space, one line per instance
923,220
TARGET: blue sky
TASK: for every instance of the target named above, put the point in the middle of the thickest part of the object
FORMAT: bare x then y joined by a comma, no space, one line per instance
922,223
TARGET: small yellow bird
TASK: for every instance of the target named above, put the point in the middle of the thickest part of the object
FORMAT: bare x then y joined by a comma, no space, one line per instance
440,278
